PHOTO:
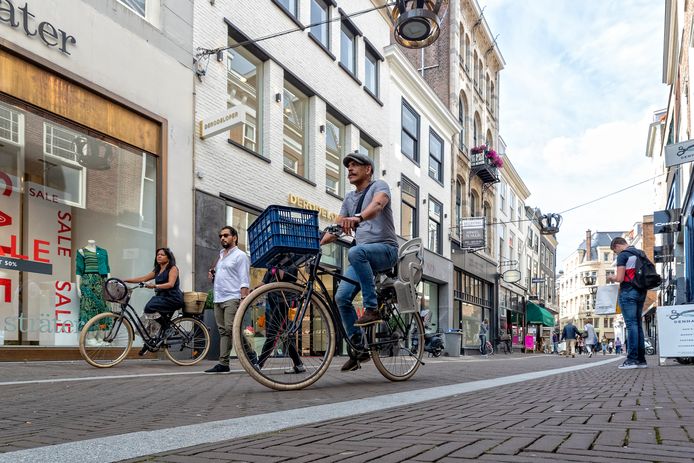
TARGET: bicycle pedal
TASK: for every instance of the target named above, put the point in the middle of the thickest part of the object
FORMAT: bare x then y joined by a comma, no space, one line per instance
143,351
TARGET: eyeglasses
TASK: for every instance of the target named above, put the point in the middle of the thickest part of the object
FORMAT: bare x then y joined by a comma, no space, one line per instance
225,235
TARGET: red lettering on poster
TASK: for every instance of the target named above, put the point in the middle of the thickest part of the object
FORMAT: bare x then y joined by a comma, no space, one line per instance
5,219
38,250
64,233
8,183
12,249
7,284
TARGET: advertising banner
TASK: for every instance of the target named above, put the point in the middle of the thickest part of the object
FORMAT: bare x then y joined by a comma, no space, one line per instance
679,153
676,330
472,232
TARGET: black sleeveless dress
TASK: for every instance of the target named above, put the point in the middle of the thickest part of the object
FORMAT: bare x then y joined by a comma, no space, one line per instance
165,300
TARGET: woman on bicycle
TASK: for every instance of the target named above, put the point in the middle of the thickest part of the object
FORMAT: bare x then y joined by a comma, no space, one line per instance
168,296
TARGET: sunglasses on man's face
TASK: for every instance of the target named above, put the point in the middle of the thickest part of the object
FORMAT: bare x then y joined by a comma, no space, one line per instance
224,235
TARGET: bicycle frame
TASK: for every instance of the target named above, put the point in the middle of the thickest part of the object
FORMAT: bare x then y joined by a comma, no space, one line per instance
315,271
127,311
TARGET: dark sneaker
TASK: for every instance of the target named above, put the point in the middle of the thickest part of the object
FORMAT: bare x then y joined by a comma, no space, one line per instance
219,368
642,365
295,369
353,364
628,365
369,317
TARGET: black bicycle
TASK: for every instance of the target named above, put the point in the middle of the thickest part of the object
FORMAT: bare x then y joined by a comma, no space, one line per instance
281,321
106,339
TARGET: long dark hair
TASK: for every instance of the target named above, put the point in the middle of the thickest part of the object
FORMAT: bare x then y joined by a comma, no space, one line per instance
169,254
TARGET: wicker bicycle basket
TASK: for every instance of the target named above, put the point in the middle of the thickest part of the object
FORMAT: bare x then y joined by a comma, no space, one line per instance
194,302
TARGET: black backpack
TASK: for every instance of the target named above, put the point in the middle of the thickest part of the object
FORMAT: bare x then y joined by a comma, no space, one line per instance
646,277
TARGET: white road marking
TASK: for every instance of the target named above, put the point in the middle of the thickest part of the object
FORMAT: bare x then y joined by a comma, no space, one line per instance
139,444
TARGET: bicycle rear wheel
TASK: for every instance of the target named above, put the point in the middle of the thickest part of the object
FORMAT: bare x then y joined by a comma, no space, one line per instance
397,345
188,343
291,354
106,340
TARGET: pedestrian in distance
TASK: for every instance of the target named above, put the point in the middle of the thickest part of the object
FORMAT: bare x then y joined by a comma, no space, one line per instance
555,343
631,300
368,212
482,334
231,282
569,334
603,345
610,346
618,346
591,339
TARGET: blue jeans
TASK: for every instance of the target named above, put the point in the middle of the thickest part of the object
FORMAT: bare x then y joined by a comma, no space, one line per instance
365,260
631,301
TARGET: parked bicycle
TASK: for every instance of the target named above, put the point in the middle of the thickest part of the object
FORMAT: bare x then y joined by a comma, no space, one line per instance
305,315
488,349
184,339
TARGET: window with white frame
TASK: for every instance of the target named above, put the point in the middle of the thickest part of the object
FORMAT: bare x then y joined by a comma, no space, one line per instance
291,6
512,204
61,171
295,117
348,48
371,71
334,151
320,13
138,6
243,88
435,156
409,197
409,138
435,230
9,125
502,196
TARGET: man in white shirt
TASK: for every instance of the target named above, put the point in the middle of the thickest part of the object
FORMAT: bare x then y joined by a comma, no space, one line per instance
231,275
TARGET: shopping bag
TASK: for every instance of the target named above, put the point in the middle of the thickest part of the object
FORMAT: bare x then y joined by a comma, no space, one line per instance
606,299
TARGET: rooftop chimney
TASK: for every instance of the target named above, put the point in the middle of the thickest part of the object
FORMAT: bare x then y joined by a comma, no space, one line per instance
588,257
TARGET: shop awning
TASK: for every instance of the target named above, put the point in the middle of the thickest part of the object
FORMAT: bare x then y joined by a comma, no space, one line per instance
538,315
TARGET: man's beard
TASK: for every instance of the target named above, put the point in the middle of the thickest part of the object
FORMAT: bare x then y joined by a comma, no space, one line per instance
226,245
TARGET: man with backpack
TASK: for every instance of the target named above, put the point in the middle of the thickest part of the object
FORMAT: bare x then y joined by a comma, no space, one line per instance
635,275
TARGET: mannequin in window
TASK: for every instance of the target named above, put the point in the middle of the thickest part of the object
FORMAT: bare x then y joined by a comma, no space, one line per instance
92,270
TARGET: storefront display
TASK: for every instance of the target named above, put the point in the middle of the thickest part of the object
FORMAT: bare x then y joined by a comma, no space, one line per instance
61,188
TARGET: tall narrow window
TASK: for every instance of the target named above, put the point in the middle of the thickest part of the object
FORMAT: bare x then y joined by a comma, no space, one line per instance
409,139
334,150
366,148
320,16
348,49
467,52
462,118
290,6
458,203
435,156
371,71
243,88
408,209
295,117
435,215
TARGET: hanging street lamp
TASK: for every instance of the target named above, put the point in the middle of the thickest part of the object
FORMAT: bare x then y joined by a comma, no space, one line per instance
417,23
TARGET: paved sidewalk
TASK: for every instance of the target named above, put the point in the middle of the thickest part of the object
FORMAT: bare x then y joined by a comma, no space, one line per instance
599,414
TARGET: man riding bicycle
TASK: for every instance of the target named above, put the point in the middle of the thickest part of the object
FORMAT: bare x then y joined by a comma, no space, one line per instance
368,212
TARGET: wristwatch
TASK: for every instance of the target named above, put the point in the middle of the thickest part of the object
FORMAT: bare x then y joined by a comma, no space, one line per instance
358,215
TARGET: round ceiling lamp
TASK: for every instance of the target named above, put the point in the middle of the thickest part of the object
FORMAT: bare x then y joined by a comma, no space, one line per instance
417,23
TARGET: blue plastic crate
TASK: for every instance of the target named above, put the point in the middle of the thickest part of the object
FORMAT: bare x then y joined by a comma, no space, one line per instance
280,230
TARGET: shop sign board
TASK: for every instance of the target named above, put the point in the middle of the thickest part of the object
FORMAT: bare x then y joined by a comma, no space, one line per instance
679,153
49,34
662,254
222,122
537,280
511,276
676,330
667,221
472,233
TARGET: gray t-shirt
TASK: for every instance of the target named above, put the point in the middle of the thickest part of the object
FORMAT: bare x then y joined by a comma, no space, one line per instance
381,228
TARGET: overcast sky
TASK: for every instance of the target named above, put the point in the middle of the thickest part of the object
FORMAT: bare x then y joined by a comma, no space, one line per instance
581,83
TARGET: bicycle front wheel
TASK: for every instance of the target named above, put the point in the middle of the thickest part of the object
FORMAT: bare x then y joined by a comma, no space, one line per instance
106,340
397,345
188,342
274,346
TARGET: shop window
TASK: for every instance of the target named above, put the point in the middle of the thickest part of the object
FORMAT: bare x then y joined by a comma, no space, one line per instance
435,157
56,207
409,138
244,73
241,219
366,148
334,151
471,320
435,230
408,209
320,14
295,118
61,171
430,302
